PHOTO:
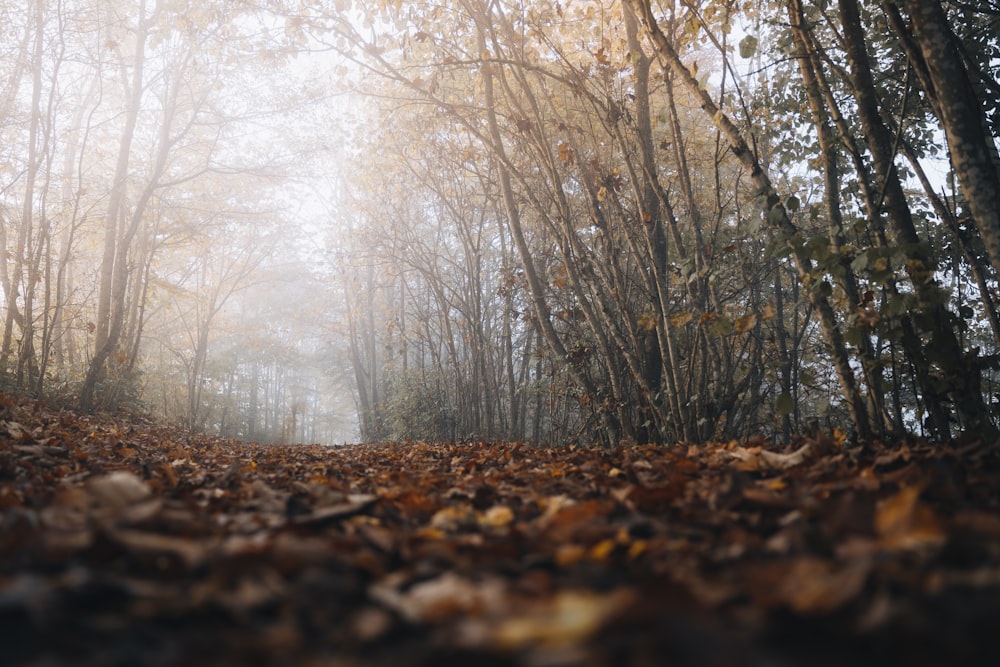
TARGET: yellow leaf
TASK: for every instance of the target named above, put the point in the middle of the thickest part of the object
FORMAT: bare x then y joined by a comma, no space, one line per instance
776,484
602,550
681,318
497,516
637,549
903,522
647,321
429,533
566,620
453,519
602,194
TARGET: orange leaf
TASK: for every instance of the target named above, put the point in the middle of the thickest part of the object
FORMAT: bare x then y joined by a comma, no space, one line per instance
903,522
745,323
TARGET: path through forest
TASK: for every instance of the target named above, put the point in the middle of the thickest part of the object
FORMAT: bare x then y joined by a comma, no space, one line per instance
127,543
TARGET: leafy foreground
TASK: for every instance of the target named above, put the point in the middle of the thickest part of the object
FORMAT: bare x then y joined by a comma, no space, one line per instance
134,544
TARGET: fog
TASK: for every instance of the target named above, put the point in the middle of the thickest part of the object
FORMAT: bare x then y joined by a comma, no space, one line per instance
161,209
333,222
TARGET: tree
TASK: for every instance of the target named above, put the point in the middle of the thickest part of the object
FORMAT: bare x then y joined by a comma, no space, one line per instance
950,78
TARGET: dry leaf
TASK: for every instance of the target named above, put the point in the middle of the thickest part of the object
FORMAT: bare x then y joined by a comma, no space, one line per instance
453,519
446,596
356,504
567,618
498,516
808,585
903,522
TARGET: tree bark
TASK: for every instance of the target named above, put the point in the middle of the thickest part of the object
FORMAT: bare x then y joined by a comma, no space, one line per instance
808,69
960,111
959,378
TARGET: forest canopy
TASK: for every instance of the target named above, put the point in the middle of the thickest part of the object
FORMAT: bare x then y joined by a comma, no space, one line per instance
594,221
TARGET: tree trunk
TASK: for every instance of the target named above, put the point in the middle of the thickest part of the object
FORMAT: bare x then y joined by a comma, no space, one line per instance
958,377
960,111
16,280
776,214
121,228
808,69
535,286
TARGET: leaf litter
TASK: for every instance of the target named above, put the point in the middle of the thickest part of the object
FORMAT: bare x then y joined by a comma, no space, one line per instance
126,542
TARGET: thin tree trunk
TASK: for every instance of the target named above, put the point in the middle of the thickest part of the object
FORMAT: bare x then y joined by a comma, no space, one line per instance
776,214
536,288
27,212
960,379
960,111
808,66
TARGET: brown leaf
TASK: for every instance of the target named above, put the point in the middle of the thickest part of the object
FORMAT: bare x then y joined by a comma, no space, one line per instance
657,499
356,504
808,585
191,552
903,522
453,519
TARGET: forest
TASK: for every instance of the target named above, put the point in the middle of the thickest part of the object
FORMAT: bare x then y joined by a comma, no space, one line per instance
663,332
595,222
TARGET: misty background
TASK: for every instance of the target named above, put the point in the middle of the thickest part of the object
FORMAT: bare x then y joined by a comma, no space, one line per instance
330,221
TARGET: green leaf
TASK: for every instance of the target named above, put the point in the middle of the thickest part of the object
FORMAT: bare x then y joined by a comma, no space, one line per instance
823,288
853,335
776,215
792,204
819,248
721,326
748,46
860,263
784,404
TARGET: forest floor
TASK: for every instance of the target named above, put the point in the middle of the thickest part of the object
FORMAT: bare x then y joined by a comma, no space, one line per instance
127,543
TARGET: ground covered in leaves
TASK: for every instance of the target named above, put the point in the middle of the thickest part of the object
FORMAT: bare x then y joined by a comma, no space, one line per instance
127,543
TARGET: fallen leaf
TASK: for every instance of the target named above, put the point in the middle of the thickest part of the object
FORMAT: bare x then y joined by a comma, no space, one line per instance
118,490
190,552
453,519
569,554
568,618
15,430
443,597
808,585
356,504
498,516
903,522
780,461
